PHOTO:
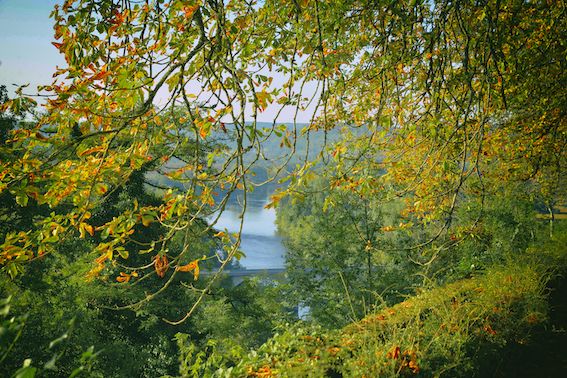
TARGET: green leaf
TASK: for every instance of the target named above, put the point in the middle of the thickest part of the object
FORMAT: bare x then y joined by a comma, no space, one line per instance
58,340
12,269
172,81
22,199
104,234
239,254
147,219
50,365
77,371
26,371
4,311
123,253
210,159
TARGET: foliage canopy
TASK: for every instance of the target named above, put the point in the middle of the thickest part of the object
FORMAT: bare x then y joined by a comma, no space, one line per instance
440,104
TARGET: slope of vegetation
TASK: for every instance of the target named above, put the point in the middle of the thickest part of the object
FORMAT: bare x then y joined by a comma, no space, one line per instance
458,329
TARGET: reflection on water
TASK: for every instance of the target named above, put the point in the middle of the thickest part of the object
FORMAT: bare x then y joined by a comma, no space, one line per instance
260,243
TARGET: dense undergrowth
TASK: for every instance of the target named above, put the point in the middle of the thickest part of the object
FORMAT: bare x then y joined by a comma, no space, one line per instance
454,330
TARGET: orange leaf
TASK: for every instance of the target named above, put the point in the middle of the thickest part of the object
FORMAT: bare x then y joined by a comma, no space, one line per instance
161,265
413,366
203,133
189,10
95,272
101,75
85,227
192,266
394,353
124,277
89,229
92,150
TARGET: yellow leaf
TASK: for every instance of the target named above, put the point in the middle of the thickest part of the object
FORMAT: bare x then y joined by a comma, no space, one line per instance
100,189
85,228
124,277
192,266
147,219
89,229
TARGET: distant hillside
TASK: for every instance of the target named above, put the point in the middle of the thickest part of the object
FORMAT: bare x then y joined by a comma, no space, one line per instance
276,148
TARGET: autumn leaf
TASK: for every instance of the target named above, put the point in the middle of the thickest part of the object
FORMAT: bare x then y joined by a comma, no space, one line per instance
192,266
413,366
100,75
148,217
204,126
85,228
263,98
125,277
92,150
100,188
94,272
189,10
488,329
394,353
57,45
274,200
161,265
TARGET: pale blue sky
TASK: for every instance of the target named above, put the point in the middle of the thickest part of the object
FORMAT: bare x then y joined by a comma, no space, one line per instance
26,52
27,55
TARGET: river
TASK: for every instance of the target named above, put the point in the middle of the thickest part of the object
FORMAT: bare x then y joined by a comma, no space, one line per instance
260,243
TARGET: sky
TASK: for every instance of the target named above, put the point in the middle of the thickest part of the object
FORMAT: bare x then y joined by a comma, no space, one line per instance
26,52
27,55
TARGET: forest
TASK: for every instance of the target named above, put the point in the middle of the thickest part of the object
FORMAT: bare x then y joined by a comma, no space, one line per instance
413,154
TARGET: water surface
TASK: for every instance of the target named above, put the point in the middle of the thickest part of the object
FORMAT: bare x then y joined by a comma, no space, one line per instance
260,243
